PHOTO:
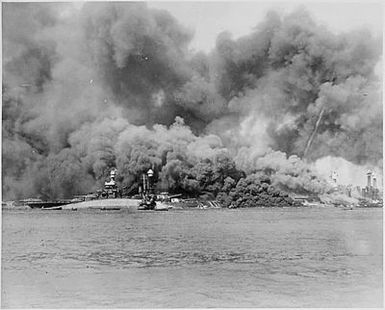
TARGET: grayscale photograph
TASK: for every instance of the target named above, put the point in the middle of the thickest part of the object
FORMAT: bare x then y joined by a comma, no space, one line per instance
192,154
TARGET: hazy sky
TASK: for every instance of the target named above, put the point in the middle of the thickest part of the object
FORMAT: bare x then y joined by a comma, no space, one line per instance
208,19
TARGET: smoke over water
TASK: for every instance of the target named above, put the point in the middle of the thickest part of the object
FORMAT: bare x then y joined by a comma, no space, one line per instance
115,85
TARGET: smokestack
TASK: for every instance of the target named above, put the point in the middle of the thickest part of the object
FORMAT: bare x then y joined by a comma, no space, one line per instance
369,175
374,178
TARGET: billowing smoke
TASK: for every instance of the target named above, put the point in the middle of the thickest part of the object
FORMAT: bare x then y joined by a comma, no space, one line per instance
115,85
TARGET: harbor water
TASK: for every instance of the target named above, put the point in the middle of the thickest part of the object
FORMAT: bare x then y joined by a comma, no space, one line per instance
262,257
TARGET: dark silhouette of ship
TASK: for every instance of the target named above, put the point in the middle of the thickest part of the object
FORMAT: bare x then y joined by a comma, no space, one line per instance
49,204
110,190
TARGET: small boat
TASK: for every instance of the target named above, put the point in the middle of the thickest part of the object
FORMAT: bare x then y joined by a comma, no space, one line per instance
347,208
161,208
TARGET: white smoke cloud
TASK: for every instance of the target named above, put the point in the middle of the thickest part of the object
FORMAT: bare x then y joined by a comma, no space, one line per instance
348,173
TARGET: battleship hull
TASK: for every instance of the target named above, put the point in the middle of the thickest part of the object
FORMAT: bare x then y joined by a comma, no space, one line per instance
48,204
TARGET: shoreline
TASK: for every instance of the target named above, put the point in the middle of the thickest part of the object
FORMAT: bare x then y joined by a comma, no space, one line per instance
132,204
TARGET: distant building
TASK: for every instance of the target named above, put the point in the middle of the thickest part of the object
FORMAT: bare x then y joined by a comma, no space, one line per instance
374,180
371,191
334,178
369,178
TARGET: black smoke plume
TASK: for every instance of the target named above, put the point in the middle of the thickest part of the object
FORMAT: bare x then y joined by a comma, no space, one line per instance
115,85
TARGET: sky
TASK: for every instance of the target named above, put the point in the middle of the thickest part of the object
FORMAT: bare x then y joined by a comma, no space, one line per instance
208,19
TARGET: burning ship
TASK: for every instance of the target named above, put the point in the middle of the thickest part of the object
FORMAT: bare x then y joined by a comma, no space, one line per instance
109,191
147,191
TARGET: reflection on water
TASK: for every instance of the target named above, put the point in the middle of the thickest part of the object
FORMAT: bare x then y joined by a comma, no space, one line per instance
192,258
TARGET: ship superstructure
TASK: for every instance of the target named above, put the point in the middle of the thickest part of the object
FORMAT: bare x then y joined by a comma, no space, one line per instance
110,189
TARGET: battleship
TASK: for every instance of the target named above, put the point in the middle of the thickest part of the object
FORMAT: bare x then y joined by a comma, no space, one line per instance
109,191
148,197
